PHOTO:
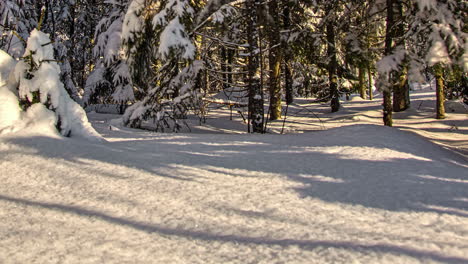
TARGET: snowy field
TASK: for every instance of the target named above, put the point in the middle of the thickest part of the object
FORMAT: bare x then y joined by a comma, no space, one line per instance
336,188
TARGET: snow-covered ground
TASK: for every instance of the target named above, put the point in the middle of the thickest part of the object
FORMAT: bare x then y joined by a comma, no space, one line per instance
337,188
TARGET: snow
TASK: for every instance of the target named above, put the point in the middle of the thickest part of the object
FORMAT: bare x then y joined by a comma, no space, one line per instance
175,37
345,191
133,23
7,63
10,111
438,52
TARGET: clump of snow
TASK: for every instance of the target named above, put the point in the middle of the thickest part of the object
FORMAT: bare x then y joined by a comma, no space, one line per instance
40,120
438,52
175,37
10,111
7,63
133,23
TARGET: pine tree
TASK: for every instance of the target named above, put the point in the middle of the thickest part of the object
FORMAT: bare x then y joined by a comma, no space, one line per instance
17,19
174,88
41,93
438,41
110,82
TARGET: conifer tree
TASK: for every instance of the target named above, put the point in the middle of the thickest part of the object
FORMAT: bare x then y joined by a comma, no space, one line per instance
163,39
41,93
110,82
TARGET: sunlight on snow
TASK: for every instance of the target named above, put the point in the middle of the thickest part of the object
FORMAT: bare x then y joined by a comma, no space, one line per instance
356,153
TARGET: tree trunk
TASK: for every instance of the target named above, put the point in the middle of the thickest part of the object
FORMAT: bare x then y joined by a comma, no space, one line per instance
401,92
401,100
440,108
287,55
256,112
332,66
224,69
274,57
371,83
389,40
362,86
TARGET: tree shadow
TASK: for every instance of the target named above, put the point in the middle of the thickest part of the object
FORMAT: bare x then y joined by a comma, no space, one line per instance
238,239
417,176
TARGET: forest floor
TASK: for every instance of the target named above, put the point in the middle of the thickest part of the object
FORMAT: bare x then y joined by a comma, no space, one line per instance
336,188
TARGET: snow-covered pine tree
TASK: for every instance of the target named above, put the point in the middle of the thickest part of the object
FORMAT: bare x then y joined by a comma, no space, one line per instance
173,81
110,82
438,41
42,95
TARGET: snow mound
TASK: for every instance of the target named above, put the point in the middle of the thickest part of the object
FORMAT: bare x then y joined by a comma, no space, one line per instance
7,63
10,111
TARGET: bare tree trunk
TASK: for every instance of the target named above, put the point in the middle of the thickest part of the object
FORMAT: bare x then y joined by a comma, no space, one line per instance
401,92
287,55
401,88
256,111
274,57
371,82
224,69
389,40
440,108
332,66
387,108
362,86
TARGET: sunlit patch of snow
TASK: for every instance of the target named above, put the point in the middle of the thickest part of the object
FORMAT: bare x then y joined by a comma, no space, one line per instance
454,180
356,153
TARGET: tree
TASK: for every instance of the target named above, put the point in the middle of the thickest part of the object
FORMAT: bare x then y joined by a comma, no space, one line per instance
174,77
274,58
111,81
256,112
438,41
17,19
42,95
389,67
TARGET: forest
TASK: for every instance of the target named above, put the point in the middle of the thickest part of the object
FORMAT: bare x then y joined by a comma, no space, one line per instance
234,131
158,61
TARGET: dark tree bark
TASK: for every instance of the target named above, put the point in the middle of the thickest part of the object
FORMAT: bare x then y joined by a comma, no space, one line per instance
224,68
389,39
256,111
401,100
332,64
287,55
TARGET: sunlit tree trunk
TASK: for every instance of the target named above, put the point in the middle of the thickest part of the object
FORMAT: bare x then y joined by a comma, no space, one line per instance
274,58
438,72
362,85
